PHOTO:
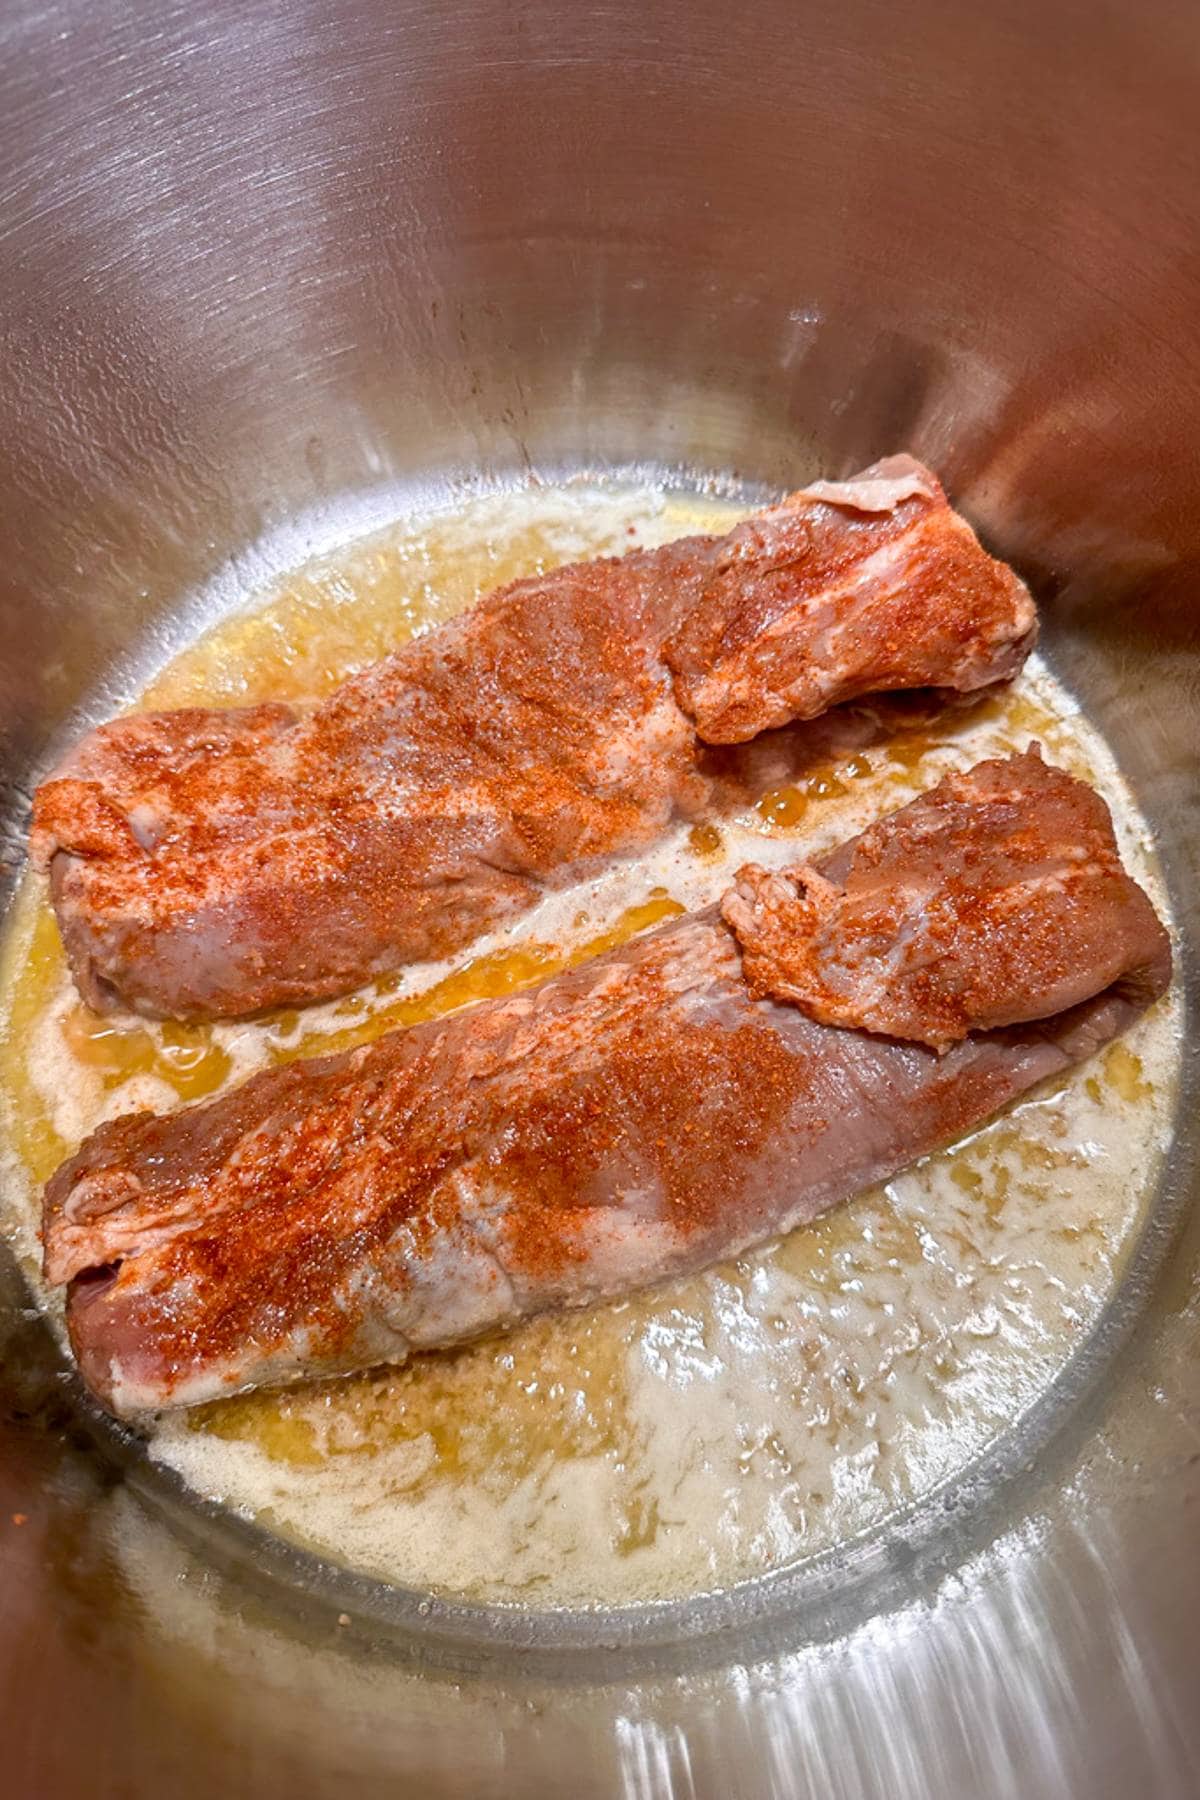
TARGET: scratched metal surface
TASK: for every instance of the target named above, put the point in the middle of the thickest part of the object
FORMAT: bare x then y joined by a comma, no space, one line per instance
266,266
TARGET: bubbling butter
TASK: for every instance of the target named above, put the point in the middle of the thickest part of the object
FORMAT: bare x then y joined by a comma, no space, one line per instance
714,1428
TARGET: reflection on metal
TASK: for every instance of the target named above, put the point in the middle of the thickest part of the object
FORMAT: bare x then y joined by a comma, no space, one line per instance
267,267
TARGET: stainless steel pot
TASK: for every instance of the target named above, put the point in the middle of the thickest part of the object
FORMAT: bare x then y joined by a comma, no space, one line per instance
266,265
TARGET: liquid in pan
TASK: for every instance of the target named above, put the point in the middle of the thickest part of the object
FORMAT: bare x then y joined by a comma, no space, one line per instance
735,1420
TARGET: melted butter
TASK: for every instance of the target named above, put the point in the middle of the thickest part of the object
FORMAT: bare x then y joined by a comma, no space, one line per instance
482,978
182,1056
1010,723
705,840
713,1428
33,970
338,615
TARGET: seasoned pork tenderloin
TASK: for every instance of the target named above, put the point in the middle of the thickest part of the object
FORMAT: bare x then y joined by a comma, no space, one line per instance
206,863
641,1116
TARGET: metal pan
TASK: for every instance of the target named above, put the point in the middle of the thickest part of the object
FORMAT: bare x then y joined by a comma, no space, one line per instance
267,267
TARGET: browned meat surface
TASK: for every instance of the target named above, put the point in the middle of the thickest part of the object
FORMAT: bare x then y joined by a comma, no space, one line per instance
643,1115
206,863
996,898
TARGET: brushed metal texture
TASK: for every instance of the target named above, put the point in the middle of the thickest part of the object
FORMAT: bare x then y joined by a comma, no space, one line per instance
268,269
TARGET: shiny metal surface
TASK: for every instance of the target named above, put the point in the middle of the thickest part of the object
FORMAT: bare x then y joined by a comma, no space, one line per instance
266,266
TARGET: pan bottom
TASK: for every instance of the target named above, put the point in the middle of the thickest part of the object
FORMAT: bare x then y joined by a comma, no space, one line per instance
715,1431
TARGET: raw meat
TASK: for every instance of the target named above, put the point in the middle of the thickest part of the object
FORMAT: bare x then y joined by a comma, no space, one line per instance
641,1116
211,863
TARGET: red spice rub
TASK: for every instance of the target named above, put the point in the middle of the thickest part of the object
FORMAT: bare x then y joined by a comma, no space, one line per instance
206,863
848,588
637,1117
996,898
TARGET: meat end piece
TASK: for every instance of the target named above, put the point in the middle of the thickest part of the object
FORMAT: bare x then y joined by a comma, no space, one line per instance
997,898
846,588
